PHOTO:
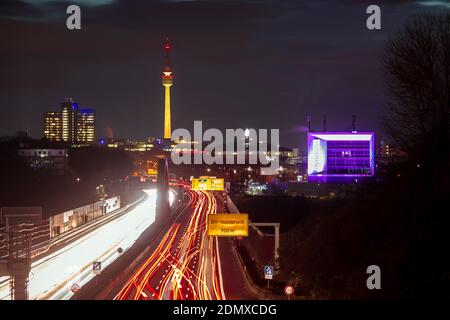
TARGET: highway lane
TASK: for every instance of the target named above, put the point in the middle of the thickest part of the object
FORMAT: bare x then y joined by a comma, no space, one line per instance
52,276
186,263
41,250
235,283
65,238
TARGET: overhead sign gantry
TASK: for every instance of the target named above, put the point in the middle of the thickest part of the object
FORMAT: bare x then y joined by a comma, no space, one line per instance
208,184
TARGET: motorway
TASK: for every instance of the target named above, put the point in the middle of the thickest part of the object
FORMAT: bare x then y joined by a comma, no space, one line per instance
179,262
53,275
186,264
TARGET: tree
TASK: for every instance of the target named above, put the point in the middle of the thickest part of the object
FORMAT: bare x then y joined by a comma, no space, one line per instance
417,75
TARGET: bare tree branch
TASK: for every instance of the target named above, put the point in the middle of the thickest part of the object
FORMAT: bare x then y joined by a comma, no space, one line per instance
417,75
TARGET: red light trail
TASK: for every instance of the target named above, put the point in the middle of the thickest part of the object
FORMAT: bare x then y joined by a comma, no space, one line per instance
186,263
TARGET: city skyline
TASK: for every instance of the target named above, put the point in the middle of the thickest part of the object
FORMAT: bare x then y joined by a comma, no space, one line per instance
246,150
273,66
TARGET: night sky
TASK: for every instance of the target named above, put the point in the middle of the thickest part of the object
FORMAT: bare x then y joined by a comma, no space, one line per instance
237,64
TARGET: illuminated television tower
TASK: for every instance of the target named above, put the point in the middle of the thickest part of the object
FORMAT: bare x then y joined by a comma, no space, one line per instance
167,82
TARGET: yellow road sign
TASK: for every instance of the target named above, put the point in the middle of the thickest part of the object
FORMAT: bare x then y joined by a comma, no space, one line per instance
227,225
208,183
218,184
201,184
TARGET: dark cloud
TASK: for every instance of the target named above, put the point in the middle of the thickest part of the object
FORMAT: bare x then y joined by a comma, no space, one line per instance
263,64
18,10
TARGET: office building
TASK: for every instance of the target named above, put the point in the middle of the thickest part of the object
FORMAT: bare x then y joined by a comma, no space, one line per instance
340,156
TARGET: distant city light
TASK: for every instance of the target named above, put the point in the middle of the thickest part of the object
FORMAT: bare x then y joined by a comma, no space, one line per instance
246,133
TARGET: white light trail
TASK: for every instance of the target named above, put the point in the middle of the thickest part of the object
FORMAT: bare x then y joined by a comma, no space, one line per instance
52,276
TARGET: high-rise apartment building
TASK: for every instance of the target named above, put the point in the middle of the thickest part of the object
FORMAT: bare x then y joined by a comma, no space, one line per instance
53,126
85,126
71,124
69,110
